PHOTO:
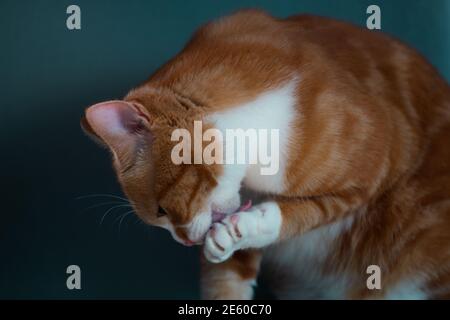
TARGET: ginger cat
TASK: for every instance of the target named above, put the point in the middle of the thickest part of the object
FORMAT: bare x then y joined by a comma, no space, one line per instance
364,177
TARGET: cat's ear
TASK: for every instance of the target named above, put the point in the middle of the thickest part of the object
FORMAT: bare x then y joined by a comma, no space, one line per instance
123,126
90,132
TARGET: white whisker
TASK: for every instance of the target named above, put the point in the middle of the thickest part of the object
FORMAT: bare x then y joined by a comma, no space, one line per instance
101,195
123,217
101,204
111,209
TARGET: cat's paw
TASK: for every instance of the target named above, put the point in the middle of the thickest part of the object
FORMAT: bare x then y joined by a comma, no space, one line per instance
255,228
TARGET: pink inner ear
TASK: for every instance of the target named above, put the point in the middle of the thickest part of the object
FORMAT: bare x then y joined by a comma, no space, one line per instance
105,118
116,122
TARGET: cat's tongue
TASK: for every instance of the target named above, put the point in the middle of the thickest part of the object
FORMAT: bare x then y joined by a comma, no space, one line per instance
246,206
219,216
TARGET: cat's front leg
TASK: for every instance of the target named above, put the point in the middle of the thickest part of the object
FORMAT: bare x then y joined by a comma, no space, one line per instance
233,279
256,228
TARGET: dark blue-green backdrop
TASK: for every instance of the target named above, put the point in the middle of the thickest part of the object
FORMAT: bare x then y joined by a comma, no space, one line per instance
50,74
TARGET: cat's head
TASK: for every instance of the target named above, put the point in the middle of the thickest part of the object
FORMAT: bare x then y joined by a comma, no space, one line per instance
183,198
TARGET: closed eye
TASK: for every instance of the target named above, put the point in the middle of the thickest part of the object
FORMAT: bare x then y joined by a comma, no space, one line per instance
161,212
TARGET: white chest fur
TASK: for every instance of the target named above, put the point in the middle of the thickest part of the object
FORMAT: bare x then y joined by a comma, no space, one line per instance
294,268
272,110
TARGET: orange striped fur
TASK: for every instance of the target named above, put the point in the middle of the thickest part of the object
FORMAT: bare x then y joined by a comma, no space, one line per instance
370,141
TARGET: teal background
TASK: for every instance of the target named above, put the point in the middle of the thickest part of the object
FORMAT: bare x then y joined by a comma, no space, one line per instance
50,74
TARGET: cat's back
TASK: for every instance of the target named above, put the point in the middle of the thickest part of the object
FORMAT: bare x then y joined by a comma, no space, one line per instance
253,50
